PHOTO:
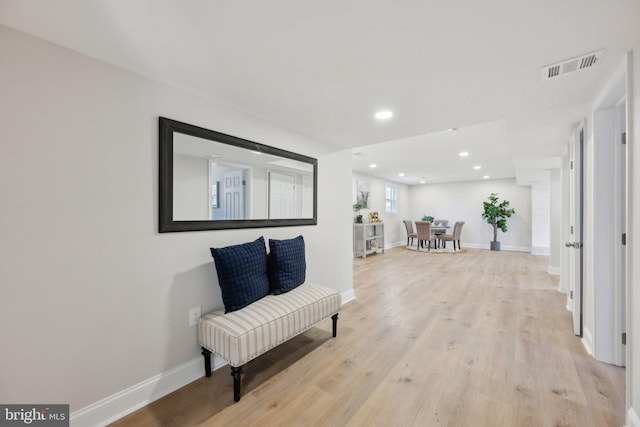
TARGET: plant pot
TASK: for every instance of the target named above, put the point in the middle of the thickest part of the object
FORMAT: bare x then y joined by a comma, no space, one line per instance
495,246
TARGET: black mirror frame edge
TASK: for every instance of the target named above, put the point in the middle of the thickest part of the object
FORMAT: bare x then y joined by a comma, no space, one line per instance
166,223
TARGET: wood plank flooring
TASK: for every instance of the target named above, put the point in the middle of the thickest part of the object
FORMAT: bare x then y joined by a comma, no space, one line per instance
478,338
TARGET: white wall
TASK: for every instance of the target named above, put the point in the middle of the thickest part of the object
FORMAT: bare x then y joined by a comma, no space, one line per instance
633,231
94,299
463,202
556,242
394,231
190,188
540,219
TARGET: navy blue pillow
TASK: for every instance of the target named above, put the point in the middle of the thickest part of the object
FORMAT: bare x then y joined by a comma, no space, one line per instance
287,265
242,273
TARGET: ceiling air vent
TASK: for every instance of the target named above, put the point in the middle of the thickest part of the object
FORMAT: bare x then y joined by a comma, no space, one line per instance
572,65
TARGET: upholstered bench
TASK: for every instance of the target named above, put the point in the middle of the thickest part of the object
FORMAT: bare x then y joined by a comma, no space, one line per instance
242,335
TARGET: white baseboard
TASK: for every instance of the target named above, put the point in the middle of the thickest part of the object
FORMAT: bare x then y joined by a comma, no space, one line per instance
348,296
516,248
135,397
473,245
587,340
123,403
540,250
502,247
395,245
632,418
561,287
554,271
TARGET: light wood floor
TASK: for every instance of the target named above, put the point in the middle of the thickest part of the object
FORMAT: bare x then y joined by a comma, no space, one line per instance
473,339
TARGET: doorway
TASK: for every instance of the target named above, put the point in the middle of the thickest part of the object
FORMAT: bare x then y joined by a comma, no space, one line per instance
575,243
606,281
233,191
282,195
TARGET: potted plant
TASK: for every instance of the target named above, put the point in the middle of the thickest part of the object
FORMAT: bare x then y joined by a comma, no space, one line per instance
427,218
496,213
357,207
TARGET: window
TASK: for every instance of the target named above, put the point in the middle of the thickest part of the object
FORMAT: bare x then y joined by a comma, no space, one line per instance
391,204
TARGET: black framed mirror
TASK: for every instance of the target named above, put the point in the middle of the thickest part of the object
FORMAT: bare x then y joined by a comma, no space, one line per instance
214,181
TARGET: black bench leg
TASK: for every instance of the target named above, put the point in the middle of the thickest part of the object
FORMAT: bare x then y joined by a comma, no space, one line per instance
236,373
207,361
335,324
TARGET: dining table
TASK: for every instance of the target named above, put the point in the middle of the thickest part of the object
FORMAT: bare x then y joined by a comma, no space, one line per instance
436,230
439,229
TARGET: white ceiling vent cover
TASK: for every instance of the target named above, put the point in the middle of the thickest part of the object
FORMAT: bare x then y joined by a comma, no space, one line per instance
572,65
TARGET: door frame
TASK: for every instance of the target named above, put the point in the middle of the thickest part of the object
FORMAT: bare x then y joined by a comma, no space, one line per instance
575,233
607,208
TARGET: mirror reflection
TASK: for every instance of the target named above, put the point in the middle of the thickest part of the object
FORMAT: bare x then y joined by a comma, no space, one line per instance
216,181
210,180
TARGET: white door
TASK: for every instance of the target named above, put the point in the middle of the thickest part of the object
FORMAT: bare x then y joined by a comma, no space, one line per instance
307,197
233,192
620,326
575,236
282,195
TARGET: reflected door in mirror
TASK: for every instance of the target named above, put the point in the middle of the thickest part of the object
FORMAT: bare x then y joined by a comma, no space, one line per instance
234,195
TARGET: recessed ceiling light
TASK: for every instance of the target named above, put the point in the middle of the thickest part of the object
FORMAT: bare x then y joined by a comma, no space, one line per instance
477,167
373,165
486,177
401,174
422,181
463,153
384,115
453,129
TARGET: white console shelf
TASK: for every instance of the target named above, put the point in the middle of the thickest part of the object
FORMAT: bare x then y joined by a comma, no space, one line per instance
368,239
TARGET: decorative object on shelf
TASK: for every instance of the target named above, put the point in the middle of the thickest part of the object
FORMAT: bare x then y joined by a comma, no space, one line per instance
427,218
357,207
363,193
373,217
496,213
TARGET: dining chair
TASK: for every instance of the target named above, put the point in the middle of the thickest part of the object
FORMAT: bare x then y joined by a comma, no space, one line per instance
425,234
454,236
439,227
410,233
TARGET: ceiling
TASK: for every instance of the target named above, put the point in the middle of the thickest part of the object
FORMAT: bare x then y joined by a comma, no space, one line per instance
322,69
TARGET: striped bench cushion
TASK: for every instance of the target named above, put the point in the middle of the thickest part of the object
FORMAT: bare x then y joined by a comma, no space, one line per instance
243,335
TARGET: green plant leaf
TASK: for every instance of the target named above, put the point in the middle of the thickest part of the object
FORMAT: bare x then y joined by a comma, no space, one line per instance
495,212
